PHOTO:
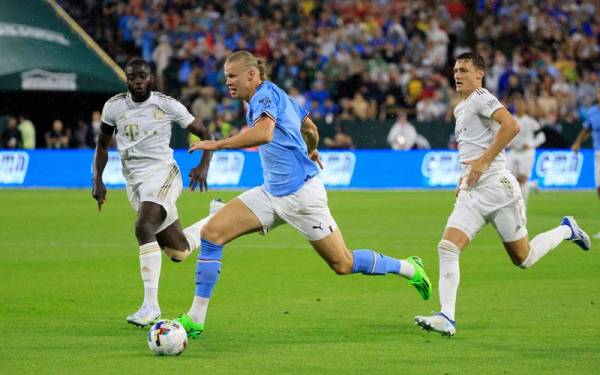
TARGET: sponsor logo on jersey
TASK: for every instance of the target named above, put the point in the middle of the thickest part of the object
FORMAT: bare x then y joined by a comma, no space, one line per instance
13,167
441,168
558,168
338,168
225,168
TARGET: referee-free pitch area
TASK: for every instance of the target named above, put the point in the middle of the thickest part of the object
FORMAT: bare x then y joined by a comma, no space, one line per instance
70,277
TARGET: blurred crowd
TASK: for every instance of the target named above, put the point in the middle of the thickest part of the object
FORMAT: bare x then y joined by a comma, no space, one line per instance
360,60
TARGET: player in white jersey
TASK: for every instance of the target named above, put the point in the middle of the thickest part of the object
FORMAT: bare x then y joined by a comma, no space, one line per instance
521,154
141,120
487,192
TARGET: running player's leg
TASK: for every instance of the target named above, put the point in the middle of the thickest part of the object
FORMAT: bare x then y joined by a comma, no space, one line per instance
463,224
525,253
307,211
235,219
150,217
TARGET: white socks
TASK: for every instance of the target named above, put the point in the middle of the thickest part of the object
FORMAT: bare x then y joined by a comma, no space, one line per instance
449,276
192,233
544,242
150,263
198,310
406,269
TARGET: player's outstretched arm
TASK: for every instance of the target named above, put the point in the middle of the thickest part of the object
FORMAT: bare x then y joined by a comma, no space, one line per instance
509,128
100,160
259,134
310,133
198,175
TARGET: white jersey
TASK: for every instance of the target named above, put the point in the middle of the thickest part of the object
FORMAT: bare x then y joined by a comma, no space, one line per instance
475,130
526,136
143,131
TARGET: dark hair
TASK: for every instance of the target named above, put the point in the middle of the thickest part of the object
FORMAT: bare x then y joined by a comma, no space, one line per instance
138,61
475,58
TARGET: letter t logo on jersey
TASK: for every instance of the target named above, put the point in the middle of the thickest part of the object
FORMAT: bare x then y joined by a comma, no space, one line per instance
131,131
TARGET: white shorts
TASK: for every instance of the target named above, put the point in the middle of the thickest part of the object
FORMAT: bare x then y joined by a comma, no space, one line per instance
162,187
597,168
306,210
498,201
520,163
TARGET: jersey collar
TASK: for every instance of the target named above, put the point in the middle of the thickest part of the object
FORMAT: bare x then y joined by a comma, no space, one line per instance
132,102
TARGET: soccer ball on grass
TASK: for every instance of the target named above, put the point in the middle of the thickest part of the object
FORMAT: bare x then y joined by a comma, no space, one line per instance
167,337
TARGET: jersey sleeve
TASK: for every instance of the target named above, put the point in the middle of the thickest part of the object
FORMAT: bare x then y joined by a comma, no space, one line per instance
487,104
262,103
180,114
301,112
108,116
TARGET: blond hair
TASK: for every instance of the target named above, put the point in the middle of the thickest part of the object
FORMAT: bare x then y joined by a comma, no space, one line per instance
250,61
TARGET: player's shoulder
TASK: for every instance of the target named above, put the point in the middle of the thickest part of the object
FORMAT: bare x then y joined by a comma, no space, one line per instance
164,97
483,93
116,98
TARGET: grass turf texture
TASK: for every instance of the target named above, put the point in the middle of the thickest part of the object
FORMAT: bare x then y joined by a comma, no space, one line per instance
70,276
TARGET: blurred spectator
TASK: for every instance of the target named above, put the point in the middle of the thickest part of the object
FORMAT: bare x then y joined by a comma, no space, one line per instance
205,105
96,124
27,130
57,137
83,135
11,136
546,51
389,108
161,56
340,140
402,135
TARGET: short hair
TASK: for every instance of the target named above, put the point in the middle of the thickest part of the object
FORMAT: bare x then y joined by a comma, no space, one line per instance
475,58
137,61
250,61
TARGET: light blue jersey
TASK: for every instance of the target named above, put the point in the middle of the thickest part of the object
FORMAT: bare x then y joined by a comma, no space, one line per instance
284,160
593,123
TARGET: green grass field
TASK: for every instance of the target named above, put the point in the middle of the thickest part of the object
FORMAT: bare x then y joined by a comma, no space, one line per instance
70,276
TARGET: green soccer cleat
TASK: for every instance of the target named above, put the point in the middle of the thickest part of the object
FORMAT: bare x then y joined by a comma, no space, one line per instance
193,329
420,280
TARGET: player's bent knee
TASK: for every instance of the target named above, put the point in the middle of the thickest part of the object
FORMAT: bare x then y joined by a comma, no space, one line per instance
212,233
177,255
342,267
445,245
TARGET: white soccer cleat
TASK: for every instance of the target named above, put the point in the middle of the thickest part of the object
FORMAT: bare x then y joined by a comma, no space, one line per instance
596,236
578,235
438,323
144,316
215,205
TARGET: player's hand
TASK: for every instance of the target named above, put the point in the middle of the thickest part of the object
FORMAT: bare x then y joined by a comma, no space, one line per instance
204,145
314,156
575,148
478,166
198,178
99,193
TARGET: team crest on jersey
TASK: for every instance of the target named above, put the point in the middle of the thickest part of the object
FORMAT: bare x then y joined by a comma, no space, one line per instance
265,101
491,103
158,114
121,116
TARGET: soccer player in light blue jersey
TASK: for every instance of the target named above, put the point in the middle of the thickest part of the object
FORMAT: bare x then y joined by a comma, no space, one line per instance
287,142
592,127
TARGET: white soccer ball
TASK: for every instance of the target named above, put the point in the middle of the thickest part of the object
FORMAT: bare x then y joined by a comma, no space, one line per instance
167,337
